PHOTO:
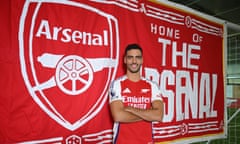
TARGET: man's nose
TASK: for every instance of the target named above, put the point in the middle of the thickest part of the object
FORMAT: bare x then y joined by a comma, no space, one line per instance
134,59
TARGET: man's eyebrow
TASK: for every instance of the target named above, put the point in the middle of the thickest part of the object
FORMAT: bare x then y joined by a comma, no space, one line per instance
134,55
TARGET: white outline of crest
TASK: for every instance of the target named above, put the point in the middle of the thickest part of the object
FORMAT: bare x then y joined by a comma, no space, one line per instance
53,113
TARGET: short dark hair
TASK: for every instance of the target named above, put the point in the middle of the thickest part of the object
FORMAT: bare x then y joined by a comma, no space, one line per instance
133,46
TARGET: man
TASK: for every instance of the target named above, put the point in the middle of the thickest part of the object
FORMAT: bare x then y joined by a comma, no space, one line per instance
135,102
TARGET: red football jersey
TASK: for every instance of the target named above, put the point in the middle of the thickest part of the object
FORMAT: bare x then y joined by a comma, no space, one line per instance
139,95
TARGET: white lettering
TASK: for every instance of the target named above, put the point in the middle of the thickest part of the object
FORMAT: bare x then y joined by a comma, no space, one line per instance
186,53
193,98
192,56
165,31
44,30
167,81
76,37
67,35
134,99
140,106
164,43
56,30
205,96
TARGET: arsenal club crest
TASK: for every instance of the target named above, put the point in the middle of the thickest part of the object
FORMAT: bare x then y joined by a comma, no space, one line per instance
68,59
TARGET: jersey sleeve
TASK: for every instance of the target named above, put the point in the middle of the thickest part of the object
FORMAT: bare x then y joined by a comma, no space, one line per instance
156,93
115,91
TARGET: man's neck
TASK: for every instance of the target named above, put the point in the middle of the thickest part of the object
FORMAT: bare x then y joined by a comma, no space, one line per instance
134,76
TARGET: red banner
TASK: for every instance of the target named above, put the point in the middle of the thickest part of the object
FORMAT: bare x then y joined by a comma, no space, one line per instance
58,58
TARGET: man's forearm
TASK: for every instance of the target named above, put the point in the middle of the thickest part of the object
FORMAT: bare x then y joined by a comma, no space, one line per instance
120,114
148,115
126,116
153,114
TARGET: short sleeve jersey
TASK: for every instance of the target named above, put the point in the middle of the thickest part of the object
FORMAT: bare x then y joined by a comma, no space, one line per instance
139,95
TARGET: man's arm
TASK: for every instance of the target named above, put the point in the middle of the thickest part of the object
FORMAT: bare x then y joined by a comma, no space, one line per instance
153,114
130,114
120,113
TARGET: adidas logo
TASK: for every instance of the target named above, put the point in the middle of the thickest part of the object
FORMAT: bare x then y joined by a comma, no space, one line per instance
126,90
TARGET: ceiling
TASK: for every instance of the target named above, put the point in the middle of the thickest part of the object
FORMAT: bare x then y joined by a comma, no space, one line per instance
228,10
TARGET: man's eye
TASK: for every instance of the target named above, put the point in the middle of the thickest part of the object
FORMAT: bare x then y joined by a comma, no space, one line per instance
138,57
129,57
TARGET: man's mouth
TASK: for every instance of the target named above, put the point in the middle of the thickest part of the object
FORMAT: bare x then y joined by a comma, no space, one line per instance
134,65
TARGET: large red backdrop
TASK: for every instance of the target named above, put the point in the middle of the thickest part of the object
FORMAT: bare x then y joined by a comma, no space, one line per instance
58,58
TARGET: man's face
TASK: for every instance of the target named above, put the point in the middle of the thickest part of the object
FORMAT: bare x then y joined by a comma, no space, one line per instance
133,60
